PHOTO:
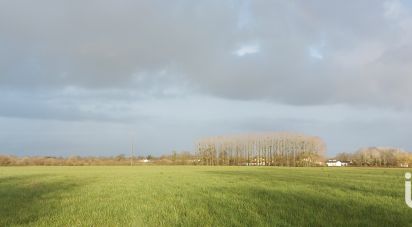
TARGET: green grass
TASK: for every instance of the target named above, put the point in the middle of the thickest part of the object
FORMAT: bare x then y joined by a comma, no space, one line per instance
202,196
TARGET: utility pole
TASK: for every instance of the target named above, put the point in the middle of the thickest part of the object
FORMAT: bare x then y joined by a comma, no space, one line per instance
131,157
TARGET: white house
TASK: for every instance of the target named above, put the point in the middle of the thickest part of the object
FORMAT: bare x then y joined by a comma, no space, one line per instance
404,165
333,163
345,163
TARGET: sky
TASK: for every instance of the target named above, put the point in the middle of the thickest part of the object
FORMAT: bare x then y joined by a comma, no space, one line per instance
93,77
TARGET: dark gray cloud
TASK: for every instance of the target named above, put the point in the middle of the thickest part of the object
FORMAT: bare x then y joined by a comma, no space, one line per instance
309,52
167,65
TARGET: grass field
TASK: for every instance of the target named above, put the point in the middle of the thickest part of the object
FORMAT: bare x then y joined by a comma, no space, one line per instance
202,196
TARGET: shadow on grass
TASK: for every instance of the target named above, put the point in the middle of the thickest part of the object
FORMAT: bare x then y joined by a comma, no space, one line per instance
26,199
348,182
295,203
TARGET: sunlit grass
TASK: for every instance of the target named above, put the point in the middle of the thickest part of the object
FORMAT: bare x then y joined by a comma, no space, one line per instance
202,196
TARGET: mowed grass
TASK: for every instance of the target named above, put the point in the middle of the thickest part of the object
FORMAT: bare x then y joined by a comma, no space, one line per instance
202,196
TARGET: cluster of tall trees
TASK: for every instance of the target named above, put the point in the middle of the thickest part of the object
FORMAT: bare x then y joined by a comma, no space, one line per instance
377,156
269,149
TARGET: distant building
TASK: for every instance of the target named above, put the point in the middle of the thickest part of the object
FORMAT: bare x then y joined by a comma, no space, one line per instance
331,163
345,163
404,165
144,160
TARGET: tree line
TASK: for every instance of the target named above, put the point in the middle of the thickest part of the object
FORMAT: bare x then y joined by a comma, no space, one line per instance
263,149
377,157
175,158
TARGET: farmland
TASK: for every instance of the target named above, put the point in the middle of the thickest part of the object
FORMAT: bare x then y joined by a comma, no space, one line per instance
202,196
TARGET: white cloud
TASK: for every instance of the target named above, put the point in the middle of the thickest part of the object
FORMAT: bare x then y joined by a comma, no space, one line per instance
315,53
247,49
393,9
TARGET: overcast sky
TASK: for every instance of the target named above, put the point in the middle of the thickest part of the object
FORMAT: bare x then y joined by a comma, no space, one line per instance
92,77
